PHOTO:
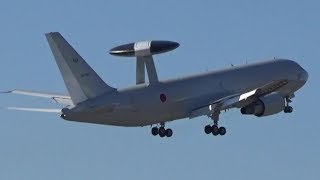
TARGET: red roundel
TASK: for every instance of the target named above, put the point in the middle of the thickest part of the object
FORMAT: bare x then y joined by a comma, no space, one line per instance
163,97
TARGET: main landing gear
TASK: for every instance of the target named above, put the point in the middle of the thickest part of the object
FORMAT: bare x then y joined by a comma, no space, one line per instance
215,129
161,131
287,108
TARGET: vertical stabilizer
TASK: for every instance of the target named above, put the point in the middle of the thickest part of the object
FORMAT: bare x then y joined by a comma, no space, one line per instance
80,79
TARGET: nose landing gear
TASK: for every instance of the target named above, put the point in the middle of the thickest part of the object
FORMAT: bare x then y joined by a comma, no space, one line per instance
287,108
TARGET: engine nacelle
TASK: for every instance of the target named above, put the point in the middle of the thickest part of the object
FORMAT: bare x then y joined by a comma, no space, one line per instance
144,48
265,106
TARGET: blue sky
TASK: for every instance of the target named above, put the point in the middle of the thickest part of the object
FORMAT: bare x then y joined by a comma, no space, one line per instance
212,34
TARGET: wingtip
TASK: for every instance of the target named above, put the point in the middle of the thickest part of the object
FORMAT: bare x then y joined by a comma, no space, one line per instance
6,92
6,108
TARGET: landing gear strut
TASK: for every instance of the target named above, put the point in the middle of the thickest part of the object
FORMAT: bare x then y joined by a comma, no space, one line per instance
215,129
161,131
287,108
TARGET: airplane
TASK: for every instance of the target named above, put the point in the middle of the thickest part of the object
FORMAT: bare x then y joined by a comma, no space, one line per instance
259,89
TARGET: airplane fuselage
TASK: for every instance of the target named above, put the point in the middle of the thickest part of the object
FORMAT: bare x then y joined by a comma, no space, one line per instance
259,89
174,99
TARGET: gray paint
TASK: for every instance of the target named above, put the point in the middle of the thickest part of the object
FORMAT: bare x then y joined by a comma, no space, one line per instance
81,80
186,97
140,105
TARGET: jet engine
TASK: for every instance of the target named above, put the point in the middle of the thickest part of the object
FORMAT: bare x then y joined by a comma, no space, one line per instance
265,106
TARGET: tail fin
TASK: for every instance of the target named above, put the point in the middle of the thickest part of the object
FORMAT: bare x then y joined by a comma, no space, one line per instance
80,79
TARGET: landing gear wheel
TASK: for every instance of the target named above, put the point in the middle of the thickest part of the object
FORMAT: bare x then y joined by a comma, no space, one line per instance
215,130
162,132
288,109
168,132
207,129
155,131
222,131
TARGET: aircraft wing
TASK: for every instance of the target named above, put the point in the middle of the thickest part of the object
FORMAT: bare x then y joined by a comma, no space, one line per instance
61,99
237,100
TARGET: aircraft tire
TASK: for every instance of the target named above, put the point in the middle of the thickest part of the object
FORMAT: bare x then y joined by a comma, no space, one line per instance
169,133
155,131
222,131
207,129
162,132
215,130
288,109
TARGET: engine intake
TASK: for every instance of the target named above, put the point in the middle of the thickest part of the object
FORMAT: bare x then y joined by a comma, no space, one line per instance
265,106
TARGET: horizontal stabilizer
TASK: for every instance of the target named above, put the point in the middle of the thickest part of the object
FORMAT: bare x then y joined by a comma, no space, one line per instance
61,99
35,109
38,94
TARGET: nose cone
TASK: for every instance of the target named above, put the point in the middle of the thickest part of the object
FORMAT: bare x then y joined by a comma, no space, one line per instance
303,76
300,74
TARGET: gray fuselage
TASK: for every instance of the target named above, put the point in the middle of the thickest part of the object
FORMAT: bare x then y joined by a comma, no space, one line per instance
141,105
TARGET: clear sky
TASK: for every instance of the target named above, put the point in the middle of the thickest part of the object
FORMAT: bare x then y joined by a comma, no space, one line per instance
213,34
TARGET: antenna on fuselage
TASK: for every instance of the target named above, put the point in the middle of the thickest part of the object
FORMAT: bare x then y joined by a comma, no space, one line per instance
144,51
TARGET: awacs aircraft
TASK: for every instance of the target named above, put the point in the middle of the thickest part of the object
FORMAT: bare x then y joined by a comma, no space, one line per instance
259,89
